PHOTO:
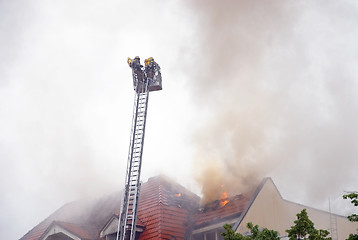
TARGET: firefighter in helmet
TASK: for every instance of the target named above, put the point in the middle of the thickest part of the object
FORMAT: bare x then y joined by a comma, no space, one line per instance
137,67
149,68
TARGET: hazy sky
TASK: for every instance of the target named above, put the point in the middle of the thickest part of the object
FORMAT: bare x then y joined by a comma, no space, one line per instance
251,89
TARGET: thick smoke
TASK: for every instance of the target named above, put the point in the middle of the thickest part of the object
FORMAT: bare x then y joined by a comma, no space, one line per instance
276,81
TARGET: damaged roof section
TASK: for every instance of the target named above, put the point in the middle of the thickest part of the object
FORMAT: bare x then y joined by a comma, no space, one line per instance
214,212
166,210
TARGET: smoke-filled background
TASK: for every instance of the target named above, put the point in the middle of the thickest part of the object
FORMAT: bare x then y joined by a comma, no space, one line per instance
250,89
279,82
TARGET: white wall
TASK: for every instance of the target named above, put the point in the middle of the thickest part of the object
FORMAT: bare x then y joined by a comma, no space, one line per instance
271,211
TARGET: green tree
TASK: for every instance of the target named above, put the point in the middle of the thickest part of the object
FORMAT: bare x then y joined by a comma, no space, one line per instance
230,234
304,229
256,233
264,234
353,196
319,235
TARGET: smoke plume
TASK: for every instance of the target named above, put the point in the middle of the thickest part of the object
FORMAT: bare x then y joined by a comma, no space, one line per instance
275,87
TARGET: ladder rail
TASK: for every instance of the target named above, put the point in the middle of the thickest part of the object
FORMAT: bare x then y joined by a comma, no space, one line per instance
333,223
129,205
133,230
124,205
144,80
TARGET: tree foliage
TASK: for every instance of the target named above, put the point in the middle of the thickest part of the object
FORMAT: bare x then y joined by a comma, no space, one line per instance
230,234
353,197
320,234
256,233
304,229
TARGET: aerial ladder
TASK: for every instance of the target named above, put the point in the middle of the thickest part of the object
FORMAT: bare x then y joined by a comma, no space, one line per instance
333,223
145,80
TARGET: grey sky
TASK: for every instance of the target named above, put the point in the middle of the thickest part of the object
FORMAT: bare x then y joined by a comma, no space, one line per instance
253,89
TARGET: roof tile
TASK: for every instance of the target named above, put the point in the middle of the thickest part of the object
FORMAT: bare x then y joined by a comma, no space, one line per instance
166,209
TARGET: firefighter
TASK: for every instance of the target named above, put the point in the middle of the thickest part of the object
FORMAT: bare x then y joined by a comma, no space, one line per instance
136,63
137,67
149,68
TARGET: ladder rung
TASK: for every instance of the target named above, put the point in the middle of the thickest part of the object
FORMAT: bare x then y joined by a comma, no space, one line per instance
136,147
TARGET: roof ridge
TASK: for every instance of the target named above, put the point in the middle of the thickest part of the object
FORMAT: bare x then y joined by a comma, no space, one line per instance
67,225
47,221
160,194
161,204
157,198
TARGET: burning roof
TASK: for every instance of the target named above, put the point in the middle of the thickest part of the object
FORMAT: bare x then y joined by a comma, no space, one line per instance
166,210
220,210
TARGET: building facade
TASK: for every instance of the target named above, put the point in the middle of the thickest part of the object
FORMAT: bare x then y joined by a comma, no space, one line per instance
167,210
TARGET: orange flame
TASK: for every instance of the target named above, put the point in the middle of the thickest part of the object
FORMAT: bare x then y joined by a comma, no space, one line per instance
178,194
223,199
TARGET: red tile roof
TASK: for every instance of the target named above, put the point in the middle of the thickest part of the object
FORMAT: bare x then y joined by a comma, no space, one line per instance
165,209
77,230
90,213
